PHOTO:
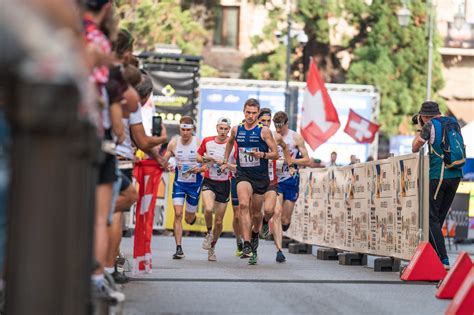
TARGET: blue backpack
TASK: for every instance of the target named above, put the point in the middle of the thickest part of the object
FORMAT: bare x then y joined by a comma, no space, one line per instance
452,143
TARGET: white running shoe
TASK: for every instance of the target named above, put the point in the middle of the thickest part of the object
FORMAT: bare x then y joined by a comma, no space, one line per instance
207,243
211,254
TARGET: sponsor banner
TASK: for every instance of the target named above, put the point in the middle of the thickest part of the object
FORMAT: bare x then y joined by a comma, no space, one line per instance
367,208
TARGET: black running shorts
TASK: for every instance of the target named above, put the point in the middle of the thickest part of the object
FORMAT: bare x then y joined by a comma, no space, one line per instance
220,188
259,185
107,174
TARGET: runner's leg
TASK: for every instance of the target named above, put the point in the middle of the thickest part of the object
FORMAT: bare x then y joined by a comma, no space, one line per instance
208,198
269,204
277,231
177,224
287,211
218,220
244,191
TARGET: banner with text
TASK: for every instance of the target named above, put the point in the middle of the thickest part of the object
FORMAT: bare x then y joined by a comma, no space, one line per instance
368,208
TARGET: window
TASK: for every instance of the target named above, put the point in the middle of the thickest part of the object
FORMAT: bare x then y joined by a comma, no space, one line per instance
226,26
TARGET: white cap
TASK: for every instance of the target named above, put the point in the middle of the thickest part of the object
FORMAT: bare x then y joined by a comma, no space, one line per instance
224,120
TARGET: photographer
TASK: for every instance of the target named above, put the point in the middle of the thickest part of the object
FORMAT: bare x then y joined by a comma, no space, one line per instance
444,174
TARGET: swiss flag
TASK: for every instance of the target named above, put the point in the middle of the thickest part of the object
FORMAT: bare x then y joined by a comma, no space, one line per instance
320,120
360,129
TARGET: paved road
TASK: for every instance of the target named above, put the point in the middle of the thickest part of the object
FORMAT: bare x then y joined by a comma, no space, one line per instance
302,285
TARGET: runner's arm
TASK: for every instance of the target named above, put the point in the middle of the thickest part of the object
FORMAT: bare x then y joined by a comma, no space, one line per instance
229,145
286,153
270,141
198,169
299,142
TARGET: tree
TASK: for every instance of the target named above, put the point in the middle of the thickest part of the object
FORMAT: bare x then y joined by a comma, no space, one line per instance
394,59
383,53
152,22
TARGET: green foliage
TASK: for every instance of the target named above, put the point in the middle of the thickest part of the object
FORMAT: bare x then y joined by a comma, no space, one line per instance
394,59
384,54
152,22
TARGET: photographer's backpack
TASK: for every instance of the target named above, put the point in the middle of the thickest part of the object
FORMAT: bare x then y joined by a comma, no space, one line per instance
453,153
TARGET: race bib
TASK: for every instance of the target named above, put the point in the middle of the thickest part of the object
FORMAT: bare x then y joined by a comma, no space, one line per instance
280,166
183,173
215,173
271,175
247,160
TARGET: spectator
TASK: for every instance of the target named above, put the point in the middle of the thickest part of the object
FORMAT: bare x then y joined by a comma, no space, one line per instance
443,181
333,160
96,14
354,159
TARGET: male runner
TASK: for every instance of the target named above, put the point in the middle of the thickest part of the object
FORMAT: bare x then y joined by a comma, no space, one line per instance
255,145
265,118
288,183
216,184
187,183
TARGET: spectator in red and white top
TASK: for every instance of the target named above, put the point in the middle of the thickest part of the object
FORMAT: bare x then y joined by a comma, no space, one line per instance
216,184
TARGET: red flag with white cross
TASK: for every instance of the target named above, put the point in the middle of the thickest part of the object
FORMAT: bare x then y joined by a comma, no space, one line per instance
360,129
319,117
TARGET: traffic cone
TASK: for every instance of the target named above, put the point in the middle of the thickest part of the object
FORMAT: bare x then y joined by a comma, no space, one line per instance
463,301
455,277
424,265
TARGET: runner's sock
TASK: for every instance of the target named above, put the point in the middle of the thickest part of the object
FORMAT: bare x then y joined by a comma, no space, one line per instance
213,244
110,269
178,247
247,243
98,280
255,234
209,229
265,221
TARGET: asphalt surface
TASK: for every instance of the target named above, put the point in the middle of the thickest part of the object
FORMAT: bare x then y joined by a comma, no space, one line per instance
302,285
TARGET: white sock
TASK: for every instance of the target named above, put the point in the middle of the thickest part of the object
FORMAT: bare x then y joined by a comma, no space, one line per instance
110,269
98,280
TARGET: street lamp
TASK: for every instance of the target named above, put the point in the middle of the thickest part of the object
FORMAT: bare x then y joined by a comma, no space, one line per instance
459,19
403,16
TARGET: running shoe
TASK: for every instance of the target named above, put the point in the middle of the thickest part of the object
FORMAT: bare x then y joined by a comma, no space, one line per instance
211,254
238,252
265,230
280,257
445,263
107,293
254,243
119,273
246,251
206,244
253,259
179,253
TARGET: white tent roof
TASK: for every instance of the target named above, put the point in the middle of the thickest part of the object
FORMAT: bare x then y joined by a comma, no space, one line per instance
467,133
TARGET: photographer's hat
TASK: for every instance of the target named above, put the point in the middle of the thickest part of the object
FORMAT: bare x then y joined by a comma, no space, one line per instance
429,108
